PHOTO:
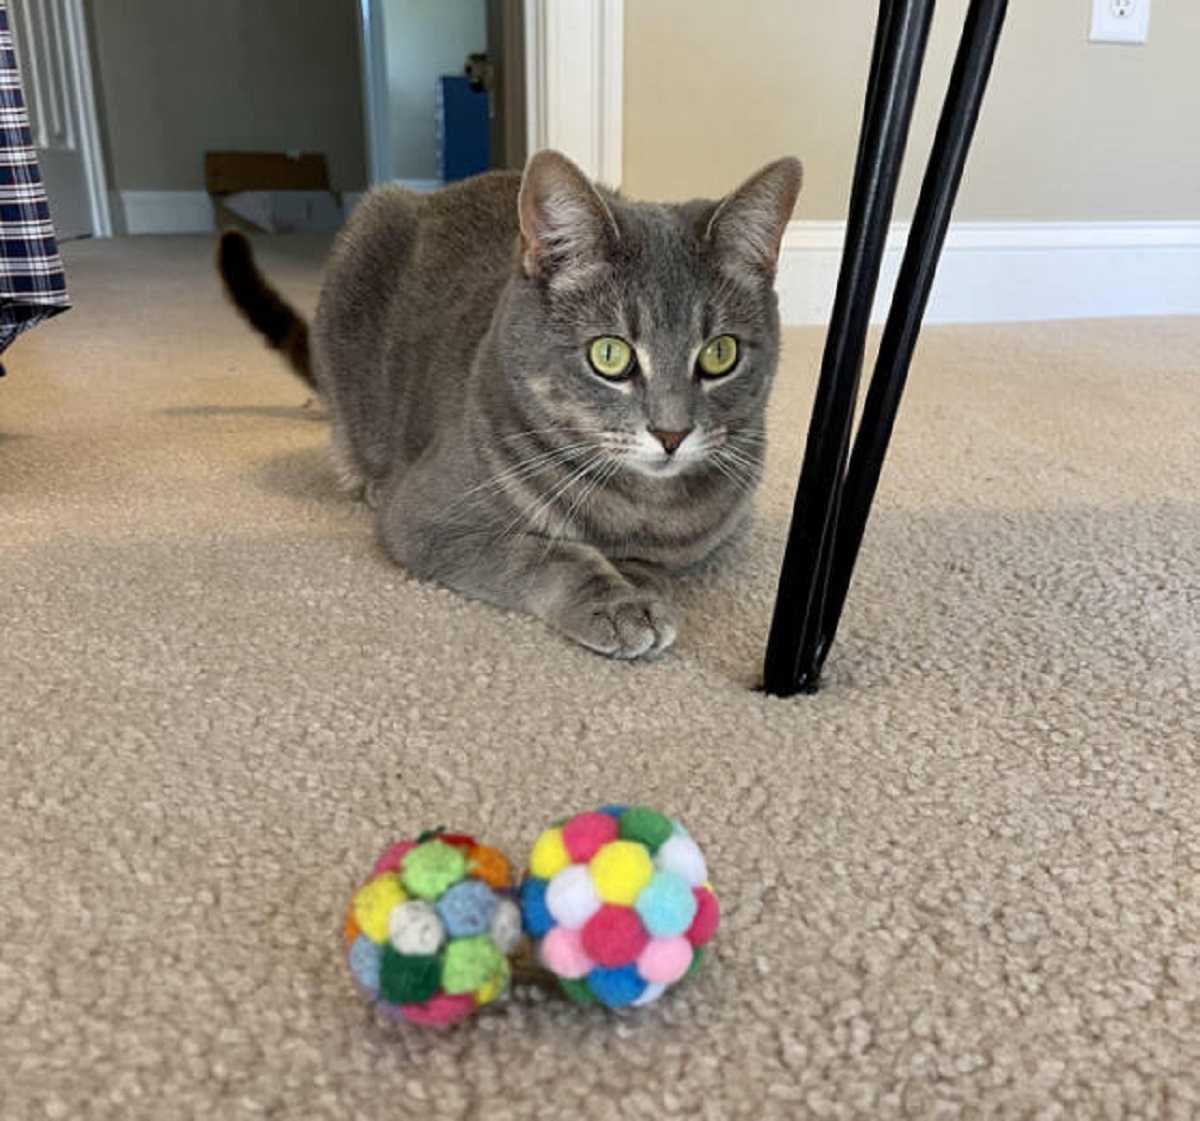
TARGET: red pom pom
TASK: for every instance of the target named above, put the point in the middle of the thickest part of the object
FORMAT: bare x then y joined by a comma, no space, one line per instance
708,915
390,860
585,834
614,936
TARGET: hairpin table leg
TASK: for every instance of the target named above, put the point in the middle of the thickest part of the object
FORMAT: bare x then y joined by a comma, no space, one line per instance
832,503
792,649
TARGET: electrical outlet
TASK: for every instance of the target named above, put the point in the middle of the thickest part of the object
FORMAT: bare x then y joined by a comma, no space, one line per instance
1120,21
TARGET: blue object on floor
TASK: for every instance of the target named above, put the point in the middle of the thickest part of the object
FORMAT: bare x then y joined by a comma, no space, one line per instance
464,146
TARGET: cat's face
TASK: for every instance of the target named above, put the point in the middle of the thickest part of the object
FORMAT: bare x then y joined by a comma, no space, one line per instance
650,332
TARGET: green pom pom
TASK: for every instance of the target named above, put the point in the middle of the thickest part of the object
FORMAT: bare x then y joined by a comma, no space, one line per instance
578,991
432,867
645,825
697,960
469,964
408,978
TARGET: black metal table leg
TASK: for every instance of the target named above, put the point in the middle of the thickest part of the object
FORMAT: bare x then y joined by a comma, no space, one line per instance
833,501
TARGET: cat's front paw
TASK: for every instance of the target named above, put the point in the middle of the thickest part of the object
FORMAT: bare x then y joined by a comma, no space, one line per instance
627,626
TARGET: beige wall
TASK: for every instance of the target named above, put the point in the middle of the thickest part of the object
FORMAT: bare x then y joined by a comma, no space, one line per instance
1070,130
178,77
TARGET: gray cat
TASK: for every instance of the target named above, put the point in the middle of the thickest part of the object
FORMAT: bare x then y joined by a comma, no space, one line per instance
552,395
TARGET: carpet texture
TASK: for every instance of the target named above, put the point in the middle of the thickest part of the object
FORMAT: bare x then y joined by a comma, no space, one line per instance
963,880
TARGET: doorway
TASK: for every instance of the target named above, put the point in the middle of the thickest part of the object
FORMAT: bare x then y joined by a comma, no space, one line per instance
413,52
169,82
51,43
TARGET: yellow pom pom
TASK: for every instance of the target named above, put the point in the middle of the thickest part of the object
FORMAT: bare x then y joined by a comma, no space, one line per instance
549,855
373,904
620,870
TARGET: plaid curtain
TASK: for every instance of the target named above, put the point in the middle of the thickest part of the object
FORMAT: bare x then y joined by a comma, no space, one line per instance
32,284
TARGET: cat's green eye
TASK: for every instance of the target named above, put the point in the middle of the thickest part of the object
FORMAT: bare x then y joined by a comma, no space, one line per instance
611,357
718,356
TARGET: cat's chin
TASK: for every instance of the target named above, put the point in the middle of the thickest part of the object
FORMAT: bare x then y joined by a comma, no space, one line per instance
663,468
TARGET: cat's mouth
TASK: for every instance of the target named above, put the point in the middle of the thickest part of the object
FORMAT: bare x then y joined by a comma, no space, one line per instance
665,468
658,457
668,465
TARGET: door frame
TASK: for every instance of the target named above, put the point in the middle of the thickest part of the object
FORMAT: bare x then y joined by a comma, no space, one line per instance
79,48
82,90
574,74
574,81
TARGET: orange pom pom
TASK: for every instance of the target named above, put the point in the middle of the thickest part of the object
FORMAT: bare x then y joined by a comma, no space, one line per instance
491,866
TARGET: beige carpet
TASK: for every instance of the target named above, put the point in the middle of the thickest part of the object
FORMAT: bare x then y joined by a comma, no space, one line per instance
964,880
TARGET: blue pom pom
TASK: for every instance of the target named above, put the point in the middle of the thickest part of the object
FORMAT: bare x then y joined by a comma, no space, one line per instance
613,810
535,915
666,905
466,909
616,987
364,963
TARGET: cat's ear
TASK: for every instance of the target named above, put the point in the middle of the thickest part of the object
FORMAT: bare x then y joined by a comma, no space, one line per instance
566,227
747,227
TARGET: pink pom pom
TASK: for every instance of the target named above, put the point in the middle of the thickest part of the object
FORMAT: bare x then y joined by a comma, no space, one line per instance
665,960
563,953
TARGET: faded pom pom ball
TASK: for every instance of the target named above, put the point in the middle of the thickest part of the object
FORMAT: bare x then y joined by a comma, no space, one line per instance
430,933
618,904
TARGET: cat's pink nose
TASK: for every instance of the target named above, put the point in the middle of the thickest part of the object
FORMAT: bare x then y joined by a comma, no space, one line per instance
670,440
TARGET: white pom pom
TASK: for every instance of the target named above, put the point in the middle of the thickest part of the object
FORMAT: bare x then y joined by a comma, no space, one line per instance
682,855
571,896
506,926
650,995
414,928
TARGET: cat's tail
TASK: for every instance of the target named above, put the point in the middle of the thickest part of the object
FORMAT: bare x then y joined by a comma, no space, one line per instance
265,309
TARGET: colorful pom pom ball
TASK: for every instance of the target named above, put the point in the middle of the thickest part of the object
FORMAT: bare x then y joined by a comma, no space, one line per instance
618,904
430,933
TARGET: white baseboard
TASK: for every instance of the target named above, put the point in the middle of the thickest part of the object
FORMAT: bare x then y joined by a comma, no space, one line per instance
990,272
1009,271
191,212
167,212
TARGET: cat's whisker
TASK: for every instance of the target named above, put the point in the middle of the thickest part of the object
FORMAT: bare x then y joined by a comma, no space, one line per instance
746,449
544,502
608,468
737,455
526,468
554,430
734,469
742,485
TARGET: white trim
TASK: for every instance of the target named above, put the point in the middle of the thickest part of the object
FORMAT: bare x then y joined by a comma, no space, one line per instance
191,212
574,82
535,75
373,66
168,212
90,147
990,272
1006,271
612,92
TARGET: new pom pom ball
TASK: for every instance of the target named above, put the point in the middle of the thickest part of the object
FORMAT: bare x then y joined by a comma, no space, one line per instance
618,904
430,933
